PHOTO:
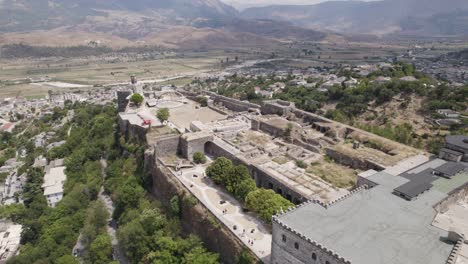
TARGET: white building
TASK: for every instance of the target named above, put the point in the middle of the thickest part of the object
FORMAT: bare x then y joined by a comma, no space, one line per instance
12,188
10,237
53,185
448,113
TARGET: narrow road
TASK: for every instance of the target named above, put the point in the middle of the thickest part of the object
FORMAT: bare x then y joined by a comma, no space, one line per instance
118,254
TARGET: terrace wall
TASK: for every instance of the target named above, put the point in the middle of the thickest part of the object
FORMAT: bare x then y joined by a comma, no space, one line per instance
353,162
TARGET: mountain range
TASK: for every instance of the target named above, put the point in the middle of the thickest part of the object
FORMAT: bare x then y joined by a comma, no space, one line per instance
420,17
203,24
169,23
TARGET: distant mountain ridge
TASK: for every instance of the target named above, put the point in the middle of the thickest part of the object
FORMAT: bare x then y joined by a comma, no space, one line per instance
24,15
427,17
169,23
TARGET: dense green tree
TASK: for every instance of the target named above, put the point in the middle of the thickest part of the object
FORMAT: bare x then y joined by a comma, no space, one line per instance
137,99
163,114
218,170
234,176
244,188
199,255
101,250
266,203
245,258
199,158
128,195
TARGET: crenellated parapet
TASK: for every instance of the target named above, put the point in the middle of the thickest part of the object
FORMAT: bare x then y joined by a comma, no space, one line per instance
338,259
323,204
452,259
327,255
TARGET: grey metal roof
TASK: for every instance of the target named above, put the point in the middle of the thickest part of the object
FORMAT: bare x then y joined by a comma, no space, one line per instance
375,226
451,168
412,189
458,140
451,151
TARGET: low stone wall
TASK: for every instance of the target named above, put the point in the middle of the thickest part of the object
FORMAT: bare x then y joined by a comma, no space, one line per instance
308,146
277,107
455,196
271,129
232,104
352,162
310,117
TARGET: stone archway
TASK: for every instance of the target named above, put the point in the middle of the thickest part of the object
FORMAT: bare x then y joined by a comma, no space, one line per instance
194,142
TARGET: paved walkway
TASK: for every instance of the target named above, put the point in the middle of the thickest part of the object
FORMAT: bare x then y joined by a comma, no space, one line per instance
228,211
406,164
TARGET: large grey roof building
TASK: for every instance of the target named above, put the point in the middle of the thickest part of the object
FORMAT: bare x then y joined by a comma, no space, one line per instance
375,225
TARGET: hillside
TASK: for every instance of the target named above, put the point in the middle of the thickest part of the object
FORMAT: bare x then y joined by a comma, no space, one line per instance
185,24
425,17
26,15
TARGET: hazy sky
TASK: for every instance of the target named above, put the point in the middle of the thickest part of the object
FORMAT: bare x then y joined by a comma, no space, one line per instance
249,3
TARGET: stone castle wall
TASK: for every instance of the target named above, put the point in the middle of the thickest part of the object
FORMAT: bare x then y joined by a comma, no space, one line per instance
271,129
194,218
132,132
167,146
190,144
232,104
310,117
307,251
122,101
215,151
264,180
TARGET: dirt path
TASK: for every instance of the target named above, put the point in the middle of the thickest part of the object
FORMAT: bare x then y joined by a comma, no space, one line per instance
118,254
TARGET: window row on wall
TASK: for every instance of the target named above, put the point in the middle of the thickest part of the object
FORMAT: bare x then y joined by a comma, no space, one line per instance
296,246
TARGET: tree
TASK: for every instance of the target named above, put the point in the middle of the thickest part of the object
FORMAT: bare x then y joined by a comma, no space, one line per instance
245,257
163,114
67,259
203,101
175,208
244,188
266,203
218,170
199,158
234,177
137,99
199,255
101,249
